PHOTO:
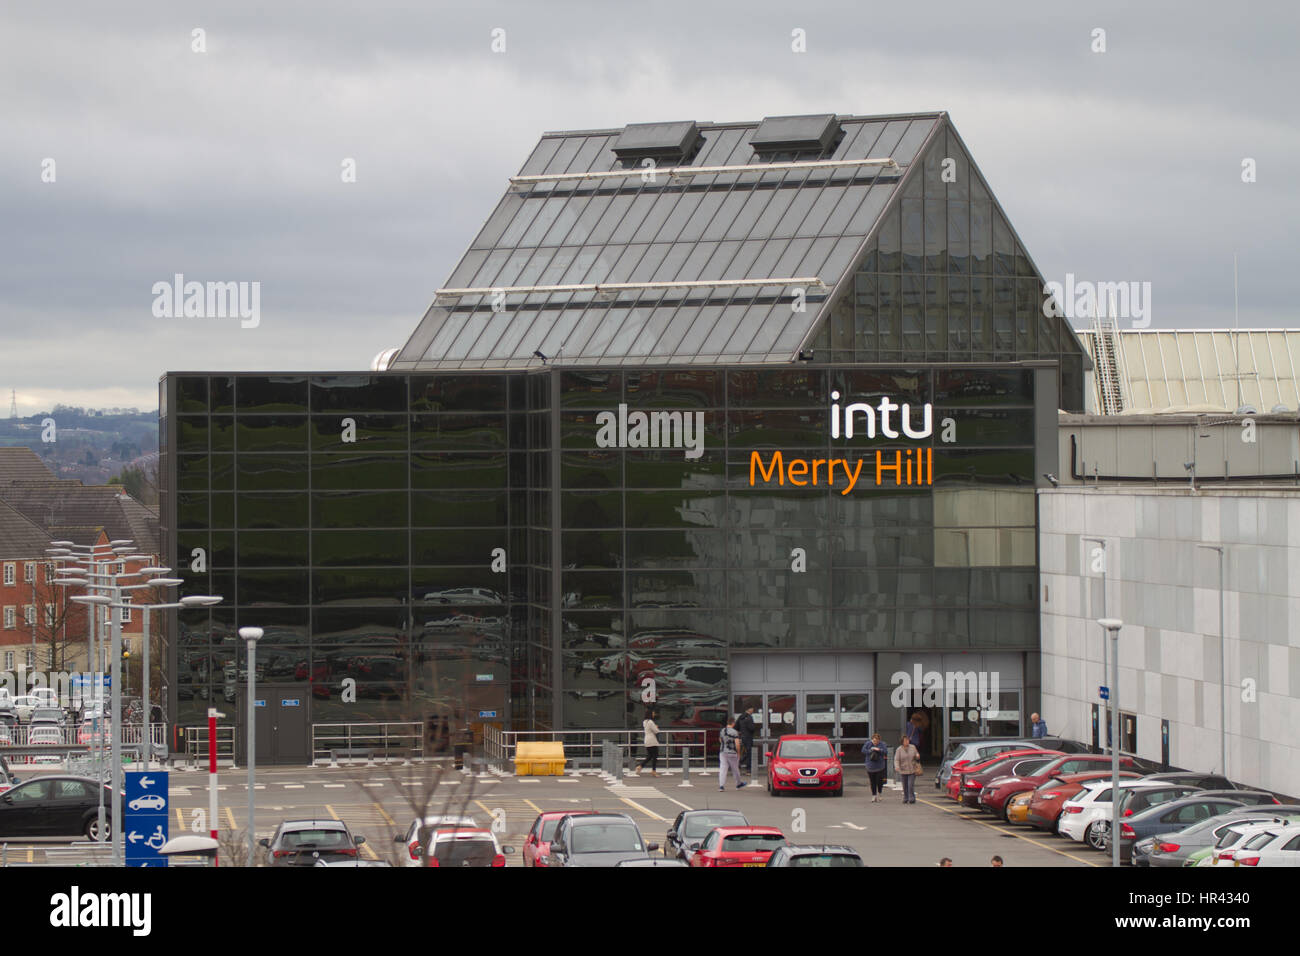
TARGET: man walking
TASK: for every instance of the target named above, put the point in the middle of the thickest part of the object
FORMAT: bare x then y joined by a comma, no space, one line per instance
745,727
1038,727
728,756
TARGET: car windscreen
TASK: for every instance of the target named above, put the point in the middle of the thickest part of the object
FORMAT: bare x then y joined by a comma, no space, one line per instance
825,859
1260,840
605,838
699,824
751,842
315,840
475,852
805,749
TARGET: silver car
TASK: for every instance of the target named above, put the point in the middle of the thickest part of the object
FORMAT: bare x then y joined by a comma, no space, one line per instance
984,747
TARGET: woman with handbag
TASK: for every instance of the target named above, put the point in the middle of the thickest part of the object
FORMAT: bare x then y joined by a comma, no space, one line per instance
651,743
907,764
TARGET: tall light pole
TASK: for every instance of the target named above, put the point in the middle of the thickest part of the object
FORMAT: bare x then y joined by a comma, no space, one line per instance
251,636
1112,626
1105,647
1223,665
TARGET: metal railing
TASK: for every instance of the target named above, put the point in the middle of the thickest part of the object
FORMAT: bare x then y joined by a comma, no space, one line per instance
587,748
196,744
394,740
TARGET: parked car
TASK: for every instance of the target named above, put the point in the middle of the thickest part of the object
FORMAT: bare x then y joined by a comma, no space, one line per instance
597,839
55,806
805,762
41,735
1233,838
1047,802
966,782
1134,801
303,842
1242,843
420,827
1251,798
1017,809
1085,817
690,828
47,715
1168,817
538,841
1203,781
737,846
814,856
464,846
23,707
963,751
1176,849
651,861
996,793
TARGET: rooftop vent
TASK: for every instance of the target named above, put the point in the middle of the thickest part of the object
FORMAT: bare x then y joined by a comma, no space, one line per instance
779,134
662,142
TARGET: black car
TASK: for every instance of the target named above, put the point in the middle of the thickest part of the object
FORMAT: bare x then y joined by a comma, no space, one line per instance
56,806
1205,781
814,856
597,839
304,842
692,826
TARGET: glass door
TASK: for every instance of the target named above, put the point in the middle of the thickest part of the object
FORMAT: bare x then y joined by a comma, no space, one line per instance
821,712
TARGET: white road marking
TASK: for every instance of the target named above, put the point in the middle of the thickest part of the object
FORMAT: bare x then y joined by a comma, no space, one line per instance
853,825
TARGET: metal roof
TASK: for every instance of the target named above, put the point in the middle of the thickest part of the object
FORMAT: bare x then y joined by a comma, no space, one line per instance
1202,369
797,219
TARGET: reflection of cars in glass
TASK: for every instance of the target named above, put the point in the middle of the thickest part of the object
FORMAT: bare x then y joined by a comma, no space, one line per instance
701,674
465,596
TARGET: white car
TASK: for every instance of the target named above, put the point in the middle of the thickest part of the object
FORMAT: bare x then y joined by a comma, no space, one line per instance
23,707
1271,843
1085,817
463,846
46,696
411,839
148,801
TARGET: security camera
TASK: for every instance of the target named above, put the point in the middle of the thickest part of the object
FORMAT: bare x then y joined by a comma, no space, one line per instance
538,353
1189,465
1052,478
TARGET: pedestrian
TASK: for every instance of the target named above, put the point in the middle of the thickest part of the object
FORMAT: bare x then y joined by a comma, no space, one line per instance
745,727
907,764
877,759
728,755
996,861
915,729
1038,727
651,744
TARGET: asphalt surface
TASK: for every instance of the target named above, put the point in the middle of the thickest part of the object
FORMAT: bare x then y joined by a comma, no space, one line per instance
380,801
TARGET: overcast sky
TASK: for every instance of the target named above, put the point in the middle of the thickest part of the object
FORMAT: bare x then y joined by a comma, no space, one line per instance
225,165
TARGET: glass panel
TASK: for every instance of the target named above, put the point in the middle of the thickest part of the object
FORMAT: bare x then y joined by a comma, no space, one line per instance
781,713
820,714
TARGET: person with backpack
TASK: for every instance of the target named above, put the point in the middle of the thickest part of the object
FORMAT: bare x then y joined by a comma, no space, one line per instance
877,760
745,727
728,755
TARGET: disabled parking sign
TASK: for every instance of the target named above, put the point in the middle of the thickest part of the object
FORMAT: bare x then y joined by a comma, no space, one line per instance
144,818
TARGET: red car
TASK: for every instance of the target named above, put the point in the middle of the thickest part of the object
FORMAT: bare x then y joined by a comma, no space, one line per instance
538,842
805,762
1046,802
996,793
737,846
966,781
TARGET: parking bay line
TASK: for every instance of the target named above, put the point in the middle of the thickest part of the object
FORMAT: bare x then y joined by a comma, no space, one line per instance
1012,833
650,813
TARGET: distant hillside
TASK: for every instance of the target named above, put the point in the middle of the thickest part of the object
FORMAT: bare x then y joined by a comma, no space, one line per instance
92,445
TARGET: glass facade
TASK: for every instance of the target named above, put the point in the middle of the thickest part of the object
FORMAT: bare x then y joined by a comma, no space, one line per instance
443,545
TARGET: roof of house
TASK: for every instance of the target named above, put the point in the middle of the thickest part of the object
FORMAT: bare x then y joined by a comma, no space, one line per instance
18,462
19,537
77,512
592,257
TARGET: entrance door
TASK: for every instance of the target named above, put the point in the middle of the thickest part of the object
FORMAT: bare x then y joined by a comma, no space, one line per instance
282,724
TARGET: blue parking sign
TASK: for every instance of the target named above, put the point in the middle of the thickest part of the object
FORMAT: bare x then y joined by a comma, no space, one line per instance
144,817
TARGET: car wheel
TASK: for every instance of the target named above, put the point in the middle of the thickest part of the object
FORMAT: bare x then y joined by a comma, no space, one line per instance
92,828
1092,836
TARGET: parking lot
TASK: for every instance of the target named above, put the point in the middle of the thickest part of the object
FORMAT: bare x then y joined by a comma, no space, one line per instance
378,802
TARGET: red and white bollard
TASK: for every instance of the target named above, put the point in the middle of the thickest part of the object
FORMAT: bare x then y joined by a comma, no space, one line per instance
213,714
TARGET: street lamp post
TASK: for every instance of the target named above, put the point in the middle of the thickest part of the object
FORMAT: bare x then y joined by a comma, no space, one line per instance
251,635
1223,668
1112,626
1105,647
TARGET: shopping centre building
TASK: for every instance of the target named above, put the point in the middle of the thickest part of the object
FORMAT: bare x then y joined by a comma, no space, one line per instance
719,413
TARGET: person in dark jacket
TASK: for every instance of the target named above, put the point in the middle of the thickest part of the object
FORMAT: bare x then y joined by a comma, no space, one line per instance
877,758
745,727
